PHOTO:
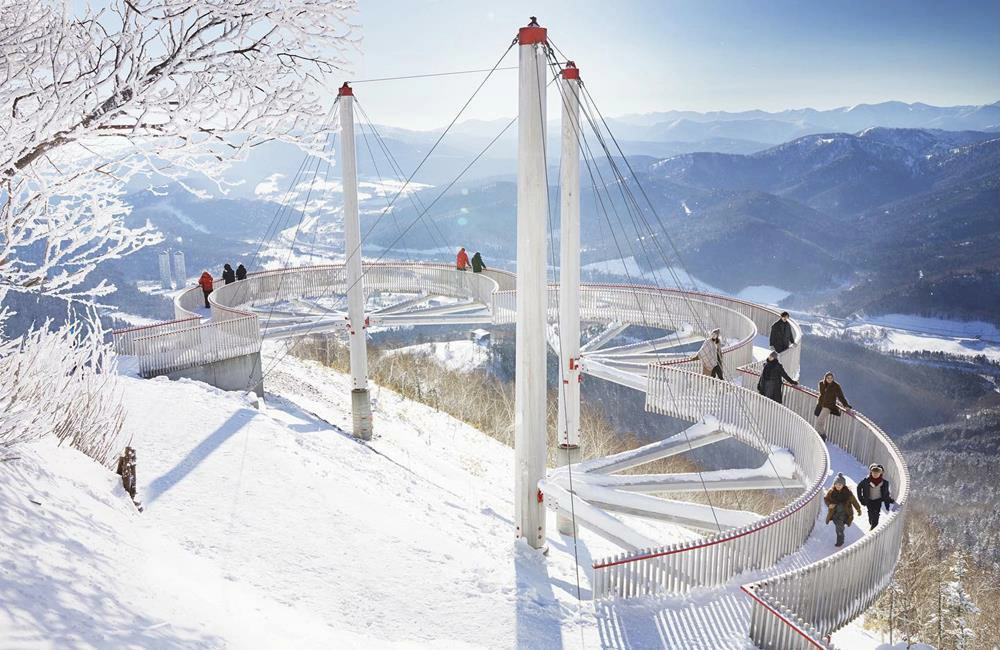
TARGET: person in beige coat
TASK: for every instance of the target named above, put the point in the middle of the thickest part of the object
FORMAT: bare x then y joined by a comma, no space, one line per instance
710,354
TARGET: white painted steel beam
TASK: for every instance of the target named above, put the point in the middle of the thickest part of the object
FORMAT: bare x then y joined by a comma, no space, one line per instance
697,435
484,318
610,331
710,481
661,343
694,515
595,519
405,304
532,215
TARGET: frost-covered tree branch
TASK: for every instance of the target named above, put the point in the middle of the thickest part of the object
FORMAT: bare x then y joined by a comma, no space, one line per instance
90,100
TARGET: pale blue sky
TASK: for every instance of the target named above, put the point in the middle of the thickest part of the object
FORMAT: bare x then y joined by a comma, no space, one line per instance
649,55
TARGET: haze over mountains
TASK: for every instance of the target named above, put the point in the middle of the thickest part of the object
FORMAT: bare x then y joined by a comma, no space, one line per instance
879,208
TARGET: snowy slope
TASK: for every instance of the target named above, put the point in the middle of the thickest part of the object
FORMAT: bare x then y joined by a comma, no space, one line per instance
81,568
272,528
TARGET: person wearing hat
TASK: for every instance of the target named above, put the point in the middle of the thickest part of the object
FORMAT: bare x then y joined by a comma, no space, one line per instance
873,492
841,506
830,393
710,354
771,376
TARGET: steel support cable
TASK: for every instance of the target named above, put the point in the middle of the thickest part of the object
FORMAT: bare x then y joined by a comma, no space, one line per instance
754,427
407,229
624,187
429,74
378,173
440,138
295,236
326,182
585,146
283,205
578,132
413,197
636,217
642,190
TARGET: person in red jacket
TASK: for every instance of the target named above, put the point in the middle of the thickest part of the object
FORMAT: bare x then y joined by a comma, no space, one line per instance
205,281
462,260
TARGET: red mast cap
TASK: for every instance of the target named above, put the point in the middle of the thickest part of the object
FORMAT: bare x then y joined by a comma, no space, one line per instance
570,71
345,90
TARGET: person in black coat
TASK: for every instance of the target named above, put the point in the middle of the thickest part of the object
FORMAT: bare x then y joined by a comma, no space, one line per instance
771,376
228,275
874,492
478,265
782,336
241,272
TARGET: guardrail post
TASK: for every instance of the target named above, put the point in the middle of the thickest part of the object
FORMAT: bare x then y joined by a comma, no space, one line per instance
360,403
532,212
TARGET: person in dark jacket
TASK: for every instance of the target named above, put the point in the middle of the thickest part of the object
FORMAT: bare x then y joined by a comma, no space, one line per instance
782,336
228,274
478,265
874,492
841,506
771,376
830,393
241,272
205,282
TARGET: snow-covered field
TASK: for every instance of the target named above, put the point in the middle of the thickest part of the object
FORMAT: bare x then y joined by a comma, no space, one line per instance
907,333
461,355
272,528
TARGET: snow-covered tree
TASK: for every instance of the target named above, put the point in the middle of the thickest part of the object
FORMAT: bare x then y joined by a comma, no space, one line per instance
958,607
92,97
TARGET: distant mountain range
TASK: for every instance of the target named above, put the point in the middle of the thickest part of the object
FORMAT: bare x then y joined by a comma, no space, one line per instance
886,218
659,135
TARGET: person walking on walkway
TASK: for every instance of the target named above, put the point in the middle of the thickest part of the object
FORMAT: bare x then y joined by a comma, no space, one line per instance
830,393
771,376
478,265
873,492
228,274
782,336
841,506
205,282
710,354
462,260
241,273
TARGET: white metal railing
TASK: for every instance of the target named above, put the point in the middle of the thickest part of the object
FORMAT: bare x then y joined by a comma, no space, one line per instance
164,352
756,421
800,608
124,339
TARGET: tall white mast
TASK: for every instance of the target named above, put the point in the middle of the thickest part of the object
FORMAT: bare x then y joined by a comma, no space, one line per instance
569,278
532,207
356,321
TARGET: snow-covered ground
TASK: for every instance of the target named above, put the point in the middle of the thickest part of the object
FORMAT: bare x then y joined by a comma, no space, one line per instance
461,355
273,528
907,333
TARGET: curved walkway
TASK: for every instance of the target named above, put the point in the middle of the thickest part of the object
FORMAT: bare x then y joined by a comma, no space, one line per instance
798,597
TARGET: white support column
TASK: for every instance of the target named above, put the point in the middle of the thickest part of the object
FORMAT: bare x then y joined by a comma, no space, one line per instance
532,208
356,322
569,280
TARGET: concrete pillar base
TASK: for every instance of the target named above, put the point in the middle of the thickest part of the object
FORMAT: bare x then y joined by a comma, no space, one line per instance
361,408
567,455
